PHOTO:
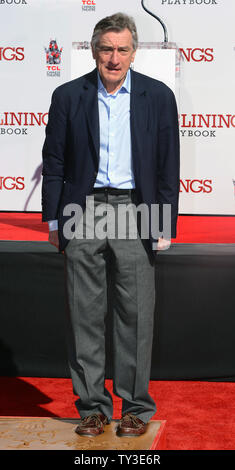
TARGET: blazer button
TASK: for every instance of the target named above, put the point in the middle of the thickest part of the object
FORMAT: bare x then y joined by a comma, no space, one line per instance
95,174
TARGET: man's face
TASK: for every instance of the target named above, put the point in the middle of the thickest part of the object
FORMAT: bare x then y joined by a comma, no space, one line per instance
113,55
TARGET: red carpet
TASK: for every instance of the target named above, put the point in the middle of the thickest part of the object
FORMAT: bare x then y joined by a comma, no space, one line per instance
191,229
199,415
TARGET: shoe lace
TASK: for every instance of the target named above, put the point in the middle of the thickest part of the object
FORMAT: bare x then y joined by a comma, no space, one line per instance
133,418
95,417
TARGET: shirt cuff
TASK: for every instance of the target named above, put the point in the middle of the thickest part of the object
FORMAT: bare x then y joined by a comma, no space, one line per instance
53,225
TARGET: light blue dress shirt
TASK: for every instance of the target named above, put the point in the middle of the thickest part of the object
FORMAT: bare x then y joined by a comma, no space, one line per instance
115,164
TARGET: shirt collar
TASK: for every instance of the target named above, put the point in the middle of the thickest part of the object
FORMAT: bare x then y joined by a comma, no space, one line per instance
126,86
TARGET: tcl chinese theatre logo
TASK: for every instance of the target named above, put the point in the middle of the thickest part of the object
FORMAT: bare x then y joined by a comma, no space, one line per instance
53,59
88,5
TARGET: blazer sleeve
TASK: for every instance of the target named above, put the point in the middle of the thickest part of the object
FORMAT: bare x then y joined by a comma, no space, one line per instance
53,154
168,158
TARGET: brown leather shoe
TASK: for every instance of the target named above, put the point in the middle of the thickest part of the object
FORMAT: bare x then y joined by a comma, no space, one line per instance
92,425
130,425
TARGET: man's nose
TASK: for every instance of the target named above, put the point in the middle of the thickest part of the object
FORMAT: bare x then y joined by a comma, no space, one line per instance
114,58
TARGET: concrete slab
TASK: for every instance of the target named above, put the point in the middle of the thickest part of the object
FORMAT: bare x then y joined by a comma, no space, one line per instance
59,434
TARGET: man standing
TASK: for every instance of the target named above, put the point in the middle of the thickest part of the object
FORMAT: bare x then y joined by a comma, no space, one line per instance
112,139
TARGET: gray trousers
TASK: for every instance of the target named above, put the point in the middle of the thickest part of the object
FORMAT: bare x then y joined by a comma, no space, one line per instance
133,306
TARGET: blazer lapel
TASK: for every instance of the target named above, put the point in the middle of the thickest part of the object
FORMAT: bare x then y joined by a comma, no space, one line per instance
90,103
139,118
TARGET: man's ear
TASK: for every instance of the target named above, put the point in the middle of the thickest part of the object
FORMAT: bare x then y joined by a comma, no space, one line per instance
93,53
133,56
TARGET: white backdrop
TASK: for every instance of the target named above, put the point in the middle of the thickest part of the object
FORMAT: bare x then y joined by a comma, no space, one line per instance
203,31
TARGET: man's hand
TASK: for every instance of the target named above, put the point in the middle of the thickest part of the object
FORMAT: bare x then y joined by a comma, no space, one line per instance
53,238
163,244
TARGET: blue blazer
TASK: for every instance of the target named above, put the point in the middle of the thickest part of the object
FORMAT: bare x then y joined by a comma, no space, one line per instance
71,147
